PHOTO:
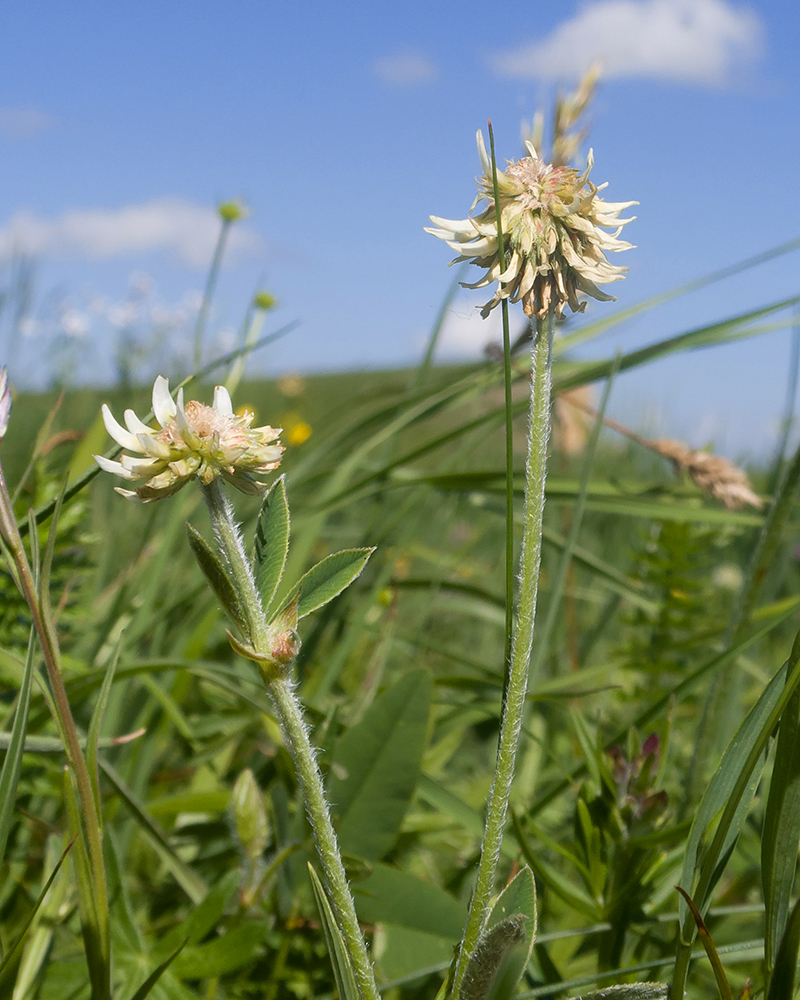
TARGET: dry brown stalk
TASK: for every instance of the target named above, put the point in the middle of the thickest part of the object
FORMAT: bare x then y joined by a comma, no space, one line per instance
716,476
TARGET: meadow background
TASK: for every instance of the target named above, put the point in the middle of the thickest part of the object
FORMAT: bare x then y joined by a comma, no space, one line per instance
122,132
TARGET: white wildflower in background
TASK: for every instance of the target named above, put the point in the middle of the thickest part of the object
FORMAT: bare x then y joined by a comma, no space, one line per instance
192,441
555,242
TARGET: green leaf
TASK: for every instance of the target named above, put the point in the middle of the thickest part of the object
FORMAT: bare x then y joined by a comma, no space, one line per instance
328,579
203,918
215,573
782,985
392,896
156,974
93,735
723,986
723,785
376,766
505,945
12,949
9,777
337,949
235,948
271,541
781,832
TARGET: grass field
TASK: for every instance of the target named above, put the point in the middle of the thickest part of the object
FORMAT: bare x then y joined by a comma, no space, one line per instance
403,676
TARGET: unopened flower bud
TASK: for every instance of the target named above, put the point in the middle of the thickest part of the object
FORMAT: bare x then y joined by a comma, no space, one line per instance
231,211
249,815
263,300
285,646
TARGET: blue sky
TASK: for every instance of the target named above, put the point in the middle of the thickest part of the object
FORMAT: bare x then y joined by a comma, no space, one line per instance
344,125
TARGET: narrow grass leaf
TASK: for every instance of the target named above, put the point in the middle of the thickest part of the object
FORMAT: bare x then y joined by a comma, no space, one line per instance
12,949
93,735
147,986
781,831
271,542
723,986
191,883
337,950
9,776
781,985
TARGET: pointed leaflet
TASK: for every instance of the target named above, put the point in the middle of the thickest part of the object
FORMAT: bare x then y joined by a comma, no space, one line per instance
271,541
504,948
337,950
215,573
328,579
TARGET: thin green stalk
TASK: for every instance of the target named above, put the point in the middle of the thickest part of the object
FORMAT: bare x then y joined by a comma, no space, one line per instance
509,426
788,410
208,294
290,715
254,325
516,691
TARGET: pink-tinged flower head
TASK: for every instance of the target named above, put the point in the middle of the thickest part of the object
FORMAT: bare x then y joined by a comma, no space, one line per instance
554,233
192,441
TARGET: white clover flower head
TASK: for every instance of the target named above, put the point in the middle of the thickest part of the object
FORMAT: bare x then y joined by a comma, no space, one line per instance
553,227
192,441
5,402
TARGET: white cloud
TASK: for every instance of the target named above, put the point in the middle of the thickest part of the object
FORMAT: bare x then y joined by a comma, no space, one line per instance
23,123
168,224
692,41
465,333
405,69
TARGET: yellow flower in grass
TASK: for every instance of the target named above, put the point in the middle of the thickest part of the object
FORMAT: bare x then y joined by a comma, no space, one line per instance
192,440
553,227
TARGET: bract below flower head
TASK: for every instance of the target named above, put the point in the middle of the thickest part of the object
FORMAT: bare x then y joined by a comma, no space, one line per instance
191,441
555,243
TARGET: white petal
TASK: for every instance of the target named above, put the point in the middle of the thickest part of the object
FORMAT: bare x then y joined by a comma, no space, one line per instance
113,467
163,405
531,149
141,468
486,163
222,401
154,448
135,425
118,432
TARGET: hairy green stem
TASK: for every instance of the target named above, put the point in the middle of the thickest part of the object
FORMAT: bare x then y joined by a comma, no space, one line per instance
49,646
516,690
295,730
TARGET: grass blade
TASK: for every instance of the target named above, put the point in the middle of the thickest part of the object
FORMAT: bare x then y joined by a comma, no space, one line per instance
9,777
342,969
